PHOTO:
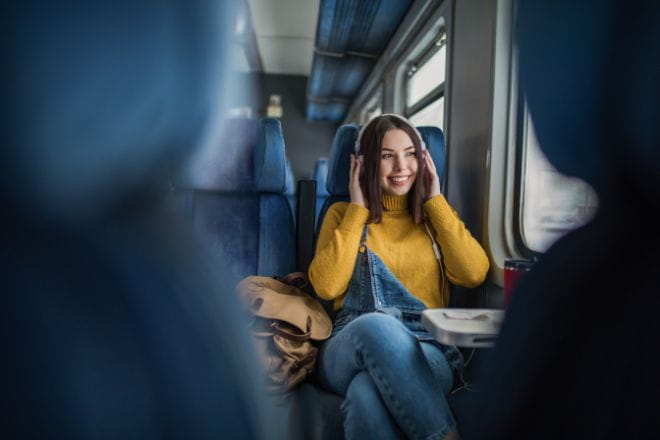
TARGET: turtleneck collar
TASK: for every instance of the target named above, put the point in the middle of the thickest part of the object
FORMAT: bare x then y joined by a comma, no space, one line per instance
394,203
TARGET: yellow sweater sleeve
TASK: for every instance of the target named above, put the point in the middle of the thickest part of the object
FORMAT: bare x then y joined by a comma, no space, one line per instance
337,248
466,263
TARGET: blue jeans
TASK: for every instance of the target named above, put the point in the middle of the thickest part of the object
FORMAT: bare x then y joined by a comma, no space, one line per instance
394,385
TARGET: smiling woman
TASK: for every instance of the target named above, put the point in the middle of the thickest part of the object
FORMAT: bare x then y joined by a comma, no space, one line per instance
377,258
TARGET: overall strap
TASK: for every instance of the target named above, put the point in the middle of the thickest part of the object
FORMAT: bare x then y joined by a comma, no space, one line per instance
368,265
363,237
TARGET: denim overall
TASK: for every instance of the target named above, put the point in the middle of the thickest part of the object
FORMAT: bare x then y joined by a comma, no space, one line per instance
373,288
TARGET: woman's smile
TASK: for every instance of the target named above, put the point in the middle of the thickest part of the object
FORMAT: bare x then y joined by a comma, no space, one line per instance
399,180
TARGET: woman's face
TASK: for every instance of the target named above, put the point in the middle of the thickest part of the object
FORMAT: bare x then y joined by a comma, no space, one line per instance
398,163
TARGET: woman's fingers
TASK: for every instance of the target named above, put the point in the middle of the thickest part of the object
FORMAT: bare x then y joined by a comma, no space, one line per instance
354,184
432,176
354,166
354,172
429,161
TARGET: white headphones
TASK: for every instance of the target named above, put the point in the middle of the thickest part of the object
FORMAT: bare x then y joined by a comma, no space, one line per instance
401,118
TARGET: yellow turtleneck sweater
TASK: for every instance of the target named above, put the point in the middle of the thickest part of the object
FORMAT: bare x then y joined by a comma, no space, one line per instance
405,248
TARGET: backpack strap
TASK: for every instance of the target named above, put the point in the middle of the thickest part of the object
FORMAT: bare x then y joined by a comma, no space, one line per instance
299,337
296,279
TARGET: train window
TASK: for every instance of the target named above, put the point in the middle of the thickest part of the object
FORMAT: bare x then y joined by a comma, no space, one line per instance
432,114
552,204
427,73
425,85
373,108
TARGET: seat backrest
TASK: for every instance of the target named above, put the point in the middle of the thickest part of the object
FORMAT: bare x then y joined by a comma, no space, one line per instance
237,198
276,253
290,191
339,162
320,175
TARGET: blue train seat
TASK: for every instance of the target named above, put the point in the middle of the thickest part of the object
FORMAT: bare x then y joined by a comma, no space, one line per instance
236,196
290,190
320,175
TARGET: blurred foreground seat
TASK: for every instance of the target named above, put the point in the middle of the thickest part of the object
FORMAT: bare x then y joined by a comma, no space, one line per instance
117,324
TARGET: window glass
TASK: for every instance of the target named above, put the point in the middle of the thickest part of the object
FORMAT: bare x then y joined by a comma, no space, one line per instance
433,114
552,203
428,76
373,108
371,113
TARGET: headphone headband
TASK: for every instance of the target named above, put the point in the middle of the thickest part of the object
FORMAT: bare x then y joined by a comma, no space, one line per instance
401,118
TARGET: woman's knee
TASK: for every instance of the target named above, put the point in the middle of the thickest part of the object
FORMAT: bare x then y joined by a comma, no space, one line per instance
382,331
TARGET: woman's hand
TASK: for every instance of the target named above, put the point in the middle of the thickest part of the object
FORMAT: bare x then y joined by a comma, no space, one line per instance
354,187
431,179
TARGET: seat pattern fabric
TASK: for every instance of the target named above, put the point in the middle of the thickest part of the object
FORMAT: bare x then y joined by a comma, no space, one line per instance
290,191
277,254
244,215
270,158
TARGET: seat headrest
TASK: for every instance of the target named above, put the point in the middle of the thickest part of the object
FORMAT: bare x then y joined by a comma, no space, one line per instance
343,146
249,157
270,158
321,175
290,180
104,97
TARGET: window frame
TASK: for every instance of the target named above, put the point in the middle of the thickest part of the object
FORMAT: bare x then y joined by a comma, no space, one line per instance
519,178
438,91
374,101
521,134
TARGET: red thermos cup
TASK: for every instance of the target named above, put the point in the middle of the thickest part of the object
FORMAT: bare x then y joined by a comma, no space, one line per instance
513,272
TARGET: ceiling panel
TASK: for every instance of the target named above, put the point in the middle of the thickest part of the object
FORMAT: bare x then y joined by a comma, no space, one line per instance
286,55
285,30
293,18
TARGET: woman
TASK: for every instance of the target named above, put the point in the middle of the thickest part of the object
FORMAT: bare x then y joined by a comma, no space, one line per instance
375,257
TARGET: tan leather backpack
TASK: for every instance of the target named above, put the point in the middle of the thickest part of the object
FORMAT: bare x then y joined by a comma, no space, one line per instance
286,321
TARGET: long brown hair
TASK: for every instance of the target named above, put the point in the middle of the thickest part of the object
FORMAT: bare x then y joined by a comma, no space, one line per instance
371,143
